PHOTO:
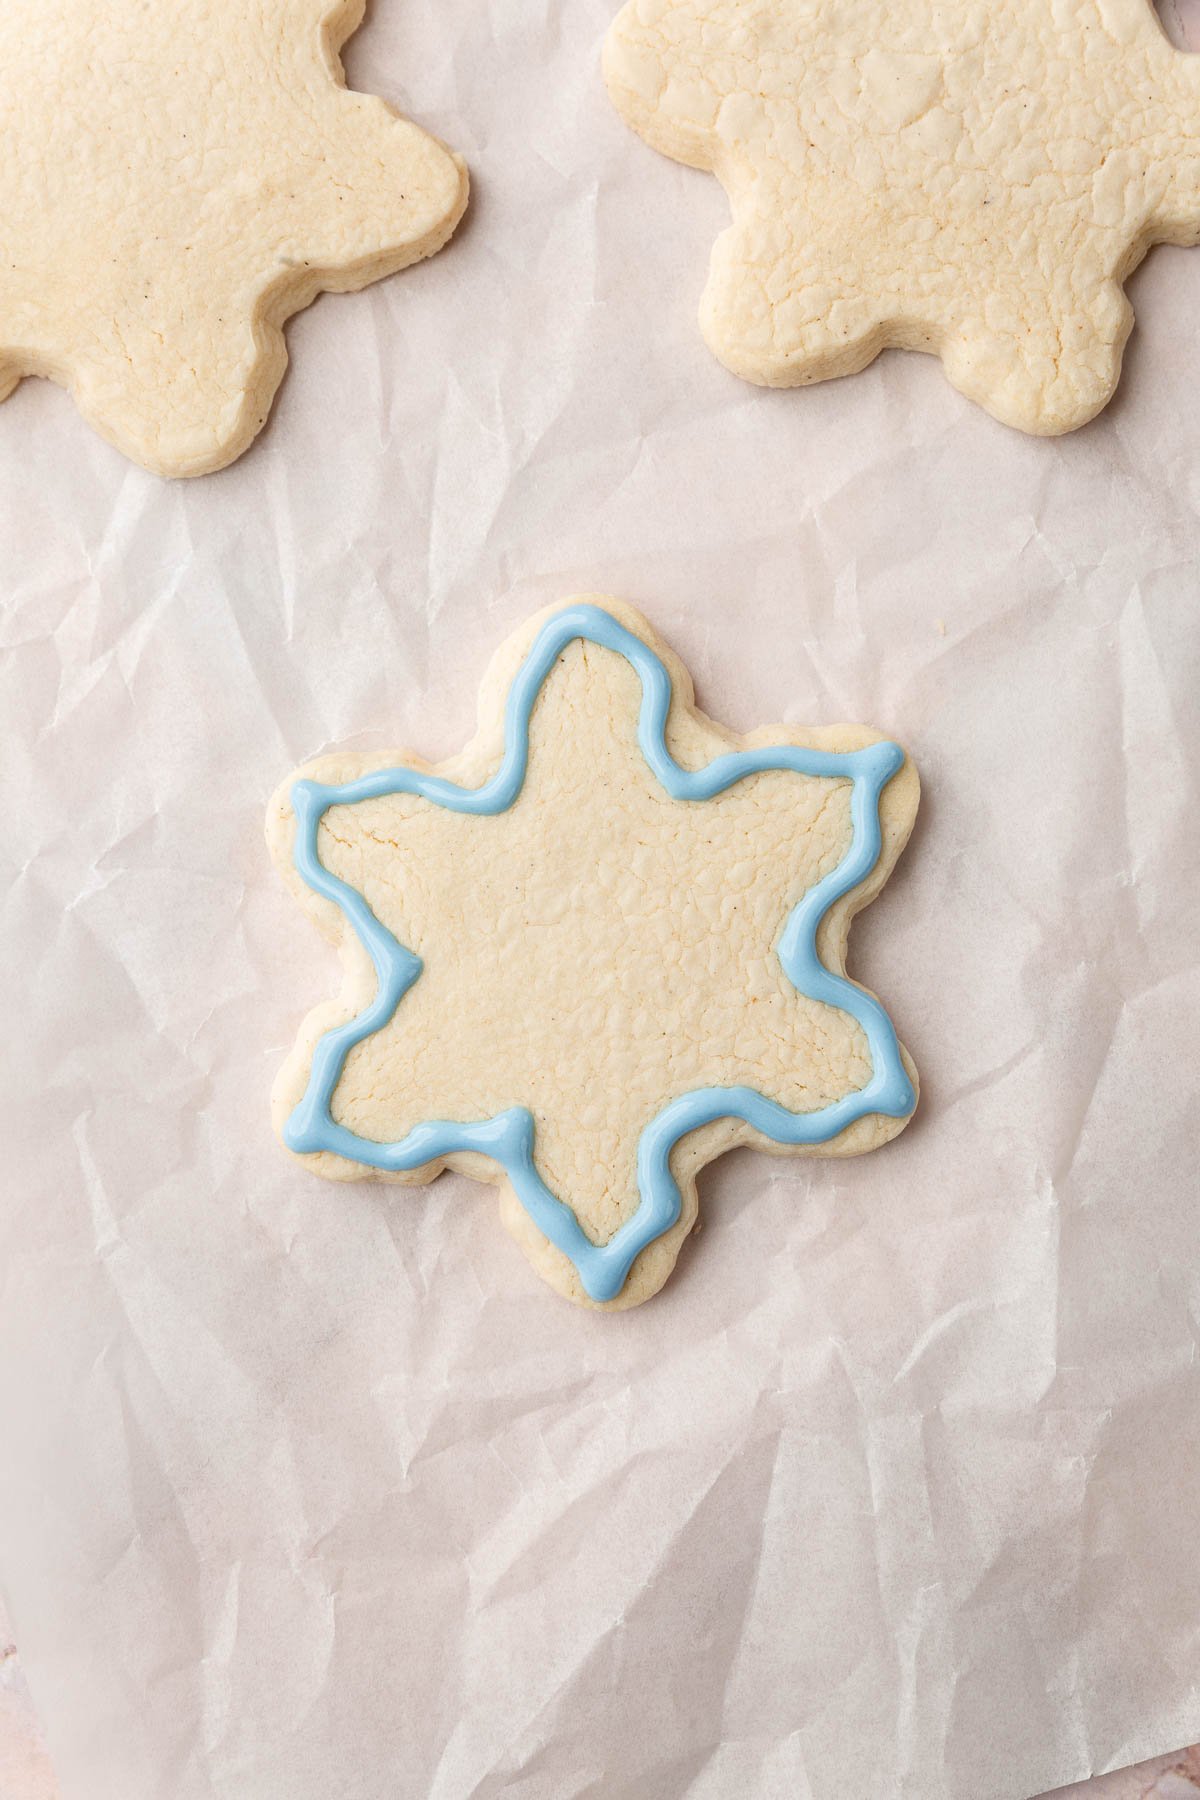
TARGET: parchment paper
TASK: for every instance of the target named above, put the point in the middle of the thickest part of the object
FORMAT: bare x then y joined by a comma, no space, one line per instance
316,1493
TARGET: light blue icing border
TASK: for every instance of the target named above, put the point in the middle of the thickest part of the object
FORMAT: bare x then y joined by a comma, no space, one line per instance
508,1138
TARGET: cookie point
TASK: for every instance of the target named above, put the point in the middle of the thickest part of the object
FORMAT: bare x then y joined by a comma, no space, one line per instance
299,1132
303,797
901,1097
602,1284
884,759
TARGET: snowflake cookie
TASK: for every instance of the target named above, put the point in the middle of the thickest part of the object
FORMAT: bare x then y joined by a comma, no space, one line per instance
600,946
972,179
176,179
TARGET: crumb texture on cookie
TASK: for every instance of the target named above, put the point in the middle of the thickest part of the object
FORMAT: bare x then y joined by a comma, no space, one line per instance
972,180
176,179
600,946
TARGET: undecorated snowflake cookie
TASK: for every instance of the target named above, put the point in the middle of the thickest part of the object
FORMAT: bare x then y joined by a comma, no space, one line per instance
974,178
177,177
599,947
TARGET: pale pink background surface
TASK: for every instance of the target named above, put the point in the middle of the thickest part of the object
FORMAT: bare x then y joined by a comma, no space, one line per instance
25,1771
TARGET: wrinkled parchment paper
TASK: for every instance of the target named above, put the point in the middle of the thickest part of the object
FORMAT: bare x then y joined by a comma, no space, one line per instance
316,1493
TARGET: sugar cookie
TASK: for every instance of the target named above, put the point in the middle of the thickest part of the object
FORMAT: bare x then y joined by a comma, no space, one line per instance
600,946
176,179
975,180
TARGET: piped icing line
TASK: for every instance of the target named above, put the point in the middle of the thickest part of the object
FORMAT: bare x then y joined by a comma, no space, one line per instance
508,1137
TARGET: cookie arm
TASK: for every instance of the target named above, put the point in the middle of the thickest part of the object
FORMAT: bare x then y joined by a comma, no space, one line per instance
1180,209
184,381
376,195
660,82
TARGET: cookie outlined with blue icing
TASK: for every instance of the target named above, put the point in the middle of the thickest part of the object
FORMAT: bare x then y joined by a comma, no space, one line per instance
359,837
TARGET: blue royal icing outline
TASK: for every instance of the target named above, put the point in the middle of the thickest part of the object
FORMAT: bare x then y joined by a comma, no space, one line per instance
508,1138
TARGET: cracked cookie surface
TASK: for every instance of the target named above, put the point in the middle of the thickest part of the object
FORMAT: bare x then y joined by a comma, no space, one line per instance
971,180
176,179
